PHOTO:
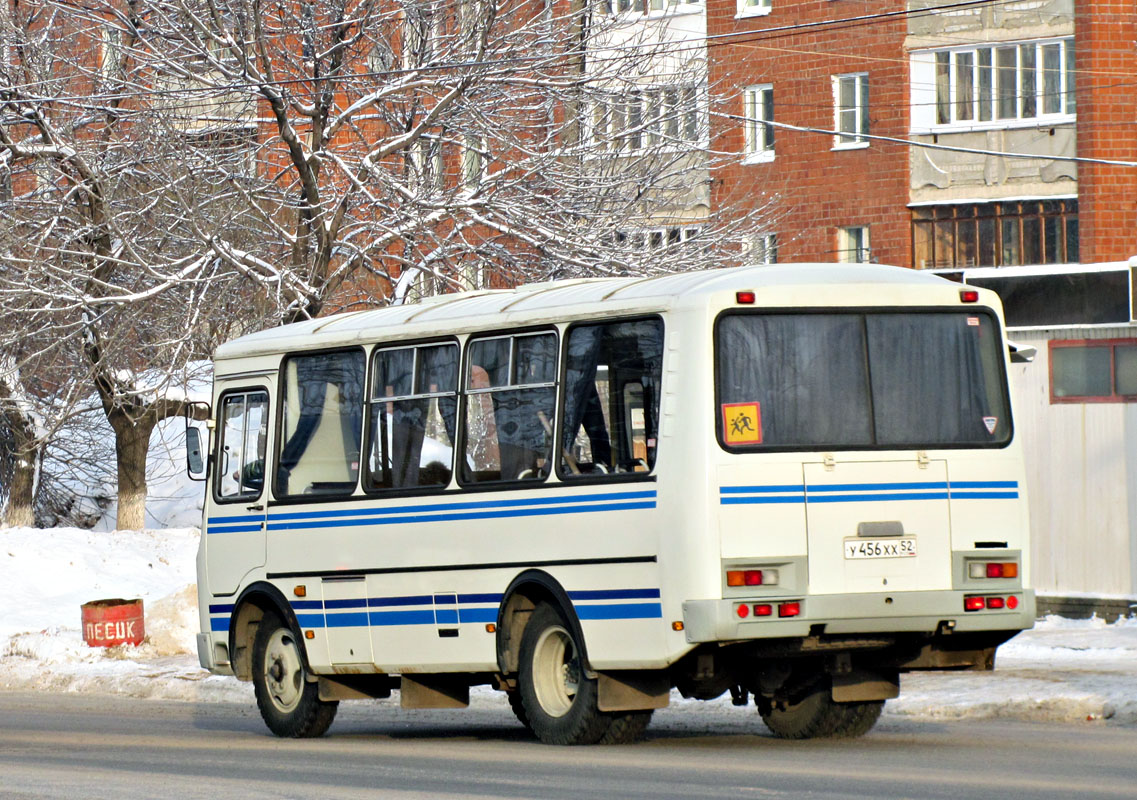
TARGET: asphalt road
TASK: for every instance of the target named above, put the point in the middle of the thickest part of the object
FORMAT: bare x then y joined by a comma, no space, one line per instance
88,746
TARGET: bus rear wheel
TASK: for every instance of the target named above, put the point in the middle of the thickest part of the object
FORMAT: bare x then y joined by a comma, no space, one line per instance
558,698
817,716
289,703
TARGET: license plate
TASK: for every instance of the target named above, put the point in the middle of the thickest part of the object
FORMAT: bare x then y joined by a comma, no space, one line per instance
880,548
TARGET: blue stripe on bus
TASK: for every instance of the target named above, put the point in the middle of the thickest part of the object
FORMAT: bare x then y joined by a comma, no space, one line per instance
477,614
747,489
310,620
863,498
460,517
354,620
465,506
614,594
225,608
242,518
235,529
490,597
983,495
306,604
446,616
385,618
873,487
414,600
351,602
219,625
620,611
868,492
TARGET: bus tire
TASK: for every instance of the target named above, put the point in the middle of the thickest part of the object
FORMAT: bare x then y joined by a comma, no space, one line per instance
814,716
289,703
517,707
626,727
817,716
558,699
857,718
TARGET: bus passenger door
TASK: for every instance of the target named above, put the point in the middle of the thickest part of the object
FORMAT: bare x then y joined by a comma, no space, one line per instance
235,523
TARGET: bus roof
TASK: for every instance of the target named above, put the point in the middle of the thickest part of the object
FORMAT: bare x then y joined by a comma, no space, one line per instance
535,303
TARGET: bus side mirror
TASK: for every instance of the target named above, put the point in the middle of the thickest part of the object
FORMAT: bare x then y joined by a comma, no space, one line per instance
195,461
1021,353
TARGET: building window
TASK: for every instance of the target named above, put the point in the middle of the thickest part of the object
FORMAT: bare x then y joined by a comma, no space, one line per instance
614,7
851,105
1007,234
473,161
419,33
660,116
761,248
658,238
758,110
853,244
1093,371
997,83
754,8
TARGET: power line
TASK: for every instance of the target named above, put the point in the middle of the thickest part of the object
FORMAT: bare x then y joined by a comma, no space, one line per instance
928,145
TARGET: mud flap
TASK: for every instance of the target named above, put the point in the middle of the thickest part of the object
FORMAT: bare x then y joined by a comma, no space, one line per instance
632,690
862,685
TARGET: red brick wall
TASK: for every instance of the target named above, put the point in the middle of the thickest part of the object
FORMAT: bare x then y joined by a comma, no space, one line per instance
1106,61
818,189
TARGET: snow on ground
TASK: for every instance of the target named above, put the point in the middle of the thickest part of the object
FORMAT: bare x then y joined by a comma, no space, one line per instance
1064,670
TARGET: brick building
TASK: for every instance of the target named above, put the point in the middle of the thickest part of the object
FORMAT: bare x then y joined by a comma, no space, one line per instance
968,81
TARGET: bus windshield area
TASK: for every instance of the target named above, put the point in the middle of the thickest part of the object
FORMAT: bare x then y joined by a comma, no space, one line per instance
861,380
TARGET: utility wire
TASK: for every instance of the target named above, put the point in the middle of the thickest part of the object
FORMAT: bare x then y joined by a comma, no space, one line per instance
927,145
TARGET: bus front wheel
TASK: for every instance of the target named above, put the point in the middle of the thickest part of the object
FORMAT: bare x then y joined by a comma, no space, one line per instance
289,703
558,698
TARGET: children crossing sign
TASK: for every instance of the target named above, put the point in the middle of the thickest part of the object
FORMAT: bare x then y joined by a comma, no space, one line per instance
742,423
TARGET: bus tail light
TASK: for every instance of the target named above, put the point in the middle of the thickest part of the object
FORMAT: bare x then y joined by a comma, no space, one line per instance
992,569
744,298
752,577
763,610
974,604
743,611
995,602
968,296
1012,602
789,609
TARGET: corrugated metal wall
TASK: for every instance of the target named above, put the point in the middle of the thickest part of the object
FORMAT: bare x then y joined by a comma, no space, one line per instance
1082,478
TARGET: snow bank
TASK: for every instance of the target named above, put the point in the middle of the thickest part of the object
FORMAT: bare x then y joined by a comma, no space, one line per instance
1063,670
54,571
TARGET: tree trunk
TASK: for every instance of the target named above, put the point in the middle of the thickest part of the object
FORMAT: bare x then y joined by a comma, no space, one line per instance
132,442
21,494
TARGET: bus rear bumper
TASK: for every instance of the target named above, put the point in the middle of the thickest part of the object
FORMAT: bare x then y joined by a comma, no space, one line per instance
876,613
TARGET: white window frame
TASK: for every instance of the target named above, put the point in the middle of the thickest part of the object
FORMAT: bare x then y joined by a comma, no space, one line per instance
761,248
473,161
927,97
754,8
649,8
651,116
854,138
758,138
853,245
659,237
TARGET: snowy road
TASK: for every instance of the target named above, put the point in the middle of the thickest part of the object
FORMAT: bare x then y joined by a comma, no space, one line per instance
89,746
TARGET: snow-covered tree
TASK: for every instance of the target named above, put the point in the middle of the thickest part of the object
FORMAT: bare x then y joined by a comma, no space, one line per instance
177,172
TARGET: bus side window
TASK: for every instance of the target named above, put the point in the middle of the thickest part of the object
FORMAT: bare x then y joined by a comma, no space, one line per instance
322,424
612,378
413,407
510,399
244,432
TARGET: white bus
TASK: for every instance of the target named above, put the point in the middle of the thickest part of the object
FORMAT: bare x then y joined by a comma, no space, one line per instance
790,483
